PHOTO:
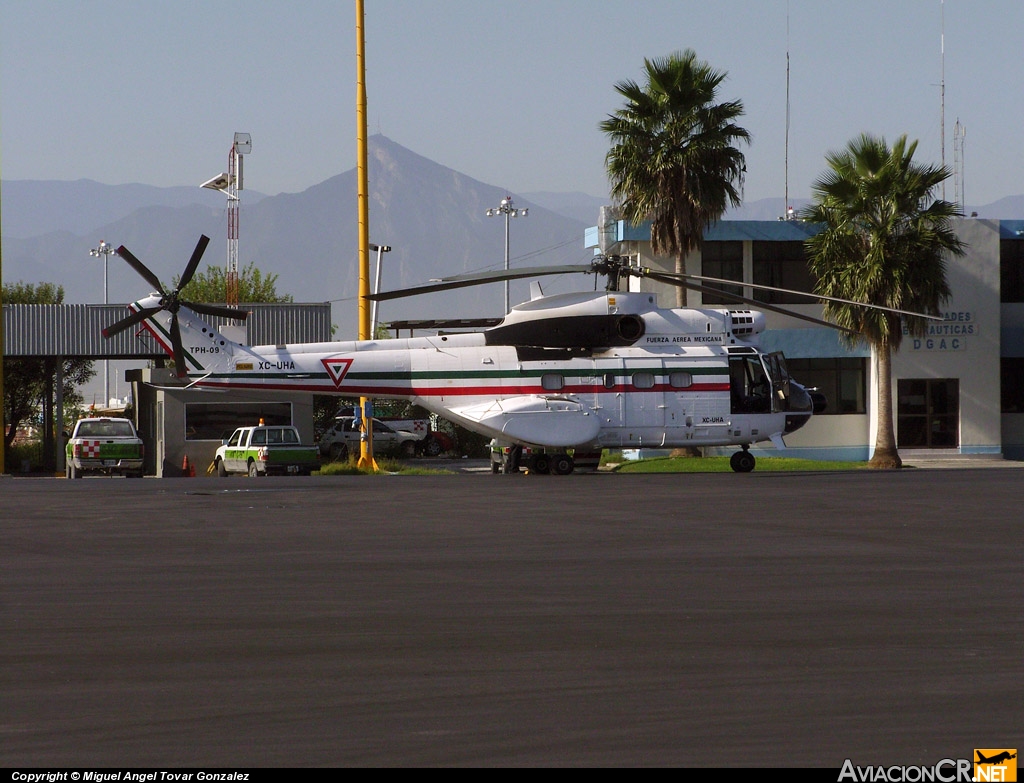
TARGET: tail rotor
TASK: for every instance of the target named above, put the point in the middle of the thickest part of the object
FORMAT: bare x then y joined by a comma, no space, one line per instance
171,301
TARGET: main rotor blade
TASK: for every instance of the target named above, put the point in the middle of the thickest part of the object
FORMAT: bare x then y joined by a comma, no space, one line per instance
141,268
480,278
803,293
223,312
672,280
193,262
179,352
131,320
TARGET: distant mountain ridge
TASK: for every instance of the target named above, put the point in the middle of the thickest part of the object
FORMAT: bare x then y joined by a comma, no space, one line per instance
35,207
433,217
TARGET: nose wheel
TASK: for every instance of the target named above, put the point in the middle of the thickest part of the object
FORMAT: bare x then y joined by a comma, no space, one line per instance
742,461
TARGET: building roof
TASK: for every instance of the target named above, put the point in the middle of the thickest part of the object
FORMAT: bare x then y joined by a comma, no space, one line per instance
77,329
722,231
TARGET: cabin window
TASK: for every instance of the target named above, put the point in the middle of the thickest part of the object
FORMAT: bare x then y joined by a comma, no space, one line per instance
643,380
609,380
552,381
680,380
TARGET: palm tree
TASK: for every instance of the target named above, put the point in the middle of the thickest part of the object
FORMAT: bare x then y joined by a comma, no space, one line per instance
674,159
884,240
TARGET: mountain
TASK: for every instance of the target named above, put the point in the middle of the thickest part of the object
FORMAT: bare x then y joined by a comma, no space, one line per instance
35,207
578,206
433,217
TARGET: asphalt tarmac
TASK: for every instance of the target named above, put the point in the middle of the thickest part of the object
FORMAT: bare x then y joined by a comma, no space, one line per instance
697,620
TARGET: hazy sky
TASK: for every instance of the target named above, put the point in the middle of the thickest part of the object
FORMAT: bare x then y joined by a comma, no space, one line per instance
508,93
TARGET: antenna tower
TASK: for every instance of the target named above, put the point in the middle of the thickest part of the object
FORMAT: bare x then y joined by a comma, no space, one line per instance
231,268
942,90
789,212
242,145
959,132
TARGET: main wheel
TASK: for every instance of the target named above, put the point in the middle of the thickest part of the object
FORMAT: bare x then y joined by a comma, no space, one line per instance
742,461
562,465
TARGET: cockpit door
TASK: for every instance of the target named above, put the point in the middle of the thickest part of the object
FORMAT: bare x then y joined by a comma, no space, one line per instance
775,366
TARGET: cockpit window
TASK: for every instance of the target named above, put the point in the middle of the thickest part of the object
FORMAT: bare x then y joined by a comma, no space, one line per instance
749,384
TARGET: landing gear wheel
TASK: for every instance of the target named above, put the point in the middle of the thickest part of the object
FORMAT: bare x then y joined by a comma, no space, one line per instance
742,461
542,464
562,465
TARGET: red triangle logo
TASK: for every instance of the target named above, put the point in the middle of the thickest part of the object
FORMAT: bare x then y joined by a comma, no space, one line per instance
337,368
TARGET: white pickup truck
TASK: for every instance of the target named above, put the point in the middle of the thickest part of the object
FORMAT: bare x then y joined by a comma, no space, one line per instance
265,451
104,445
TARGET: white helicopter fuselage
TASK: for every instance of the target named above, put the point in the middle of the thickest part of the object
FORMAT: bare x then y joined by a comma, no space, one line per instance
585,371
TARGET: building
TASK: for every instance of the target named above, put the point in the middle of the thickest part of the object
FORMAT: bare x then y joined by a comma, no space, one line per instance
959,391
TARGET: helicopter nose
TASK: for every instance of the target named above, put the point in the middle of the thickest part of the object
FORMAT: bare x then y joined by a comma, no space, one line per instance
802,404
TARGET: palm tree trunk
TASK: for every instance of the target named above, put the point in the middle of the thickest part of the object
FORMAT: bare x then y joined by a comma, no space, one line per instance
886,455
680,270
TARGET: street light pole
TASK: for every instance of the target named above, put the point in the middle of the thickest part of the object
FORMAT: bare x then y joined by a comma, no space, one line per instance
376,287
104,251
506,209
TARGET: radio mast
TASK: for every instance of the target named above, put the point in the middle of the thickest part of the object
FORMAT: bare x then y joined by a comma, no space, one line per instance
229,183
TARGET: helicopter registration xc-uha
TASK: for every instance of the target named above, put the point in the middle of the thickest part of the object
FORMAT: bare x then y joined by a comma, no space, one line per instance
578,371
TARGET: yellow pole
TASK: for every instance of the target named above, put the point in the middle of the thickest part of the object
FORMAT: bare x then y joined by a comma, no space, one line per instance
363,198
3,415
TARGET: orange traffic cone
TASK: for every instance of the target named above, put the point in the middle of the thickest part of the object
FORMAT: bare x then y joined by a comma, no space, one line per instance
187,468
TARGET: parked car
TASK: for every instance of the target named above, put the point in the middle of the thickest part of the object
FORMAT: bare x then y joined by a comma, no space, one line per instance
343,439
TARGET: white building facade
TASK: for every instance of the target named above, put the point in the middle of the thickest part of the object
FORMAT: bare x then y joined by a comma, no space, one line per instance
958,391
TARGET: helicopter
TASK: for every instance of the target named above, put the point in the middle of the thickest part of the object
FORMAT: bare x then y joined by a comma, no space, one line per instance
564,374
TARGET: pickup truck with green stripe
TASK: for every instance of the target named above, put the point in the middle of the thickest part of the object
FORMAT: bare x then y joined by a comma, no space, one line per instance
266,450
104,445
